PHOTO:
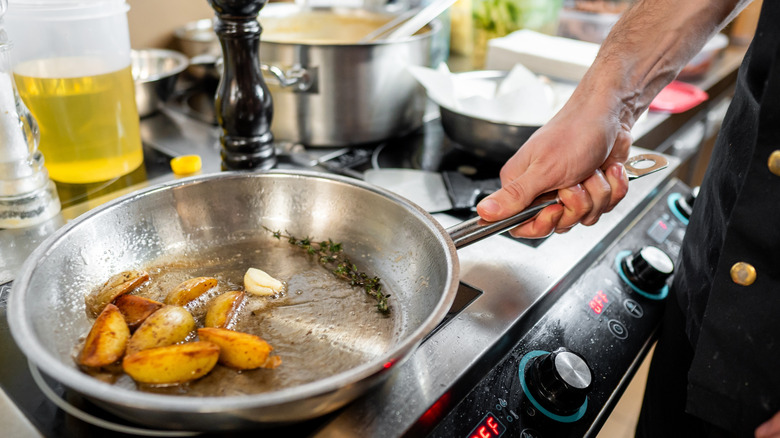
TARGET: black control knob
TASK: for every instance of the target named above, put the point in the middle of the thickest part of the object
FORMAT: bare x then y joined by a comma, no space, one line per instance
648,269
685,205
559,381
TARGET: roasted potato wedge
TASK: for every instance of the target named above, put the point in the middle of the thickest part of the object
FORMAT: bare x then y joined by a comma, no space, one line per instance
117,285
172,364
167,326
189,290
222,309
107,340
238,350
258,282
136,309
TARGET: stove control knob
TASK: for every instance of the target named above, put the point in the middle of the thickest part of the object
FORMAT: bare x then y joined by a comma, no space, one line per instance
559,381
648,269
685,205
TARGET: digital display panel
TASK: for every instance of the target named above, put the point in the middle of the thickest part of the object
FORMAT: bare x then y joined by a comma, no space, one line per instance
599,302
660,230
489,427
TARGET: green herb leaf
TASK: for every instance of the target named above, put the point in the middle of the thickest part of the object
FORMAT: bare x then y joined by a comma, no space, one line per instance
330,254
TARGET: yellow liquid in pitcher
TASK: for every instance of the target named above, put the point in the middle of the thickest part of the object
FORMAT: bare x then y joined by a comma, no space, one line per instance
89,124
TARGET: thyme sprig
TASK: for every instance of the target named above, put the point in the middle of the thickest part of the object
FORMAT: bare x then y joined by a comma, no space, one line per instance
331,255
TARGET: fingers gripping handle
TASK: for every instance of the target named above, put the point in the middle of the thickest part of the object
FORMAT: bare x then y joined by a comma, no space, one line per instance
476,229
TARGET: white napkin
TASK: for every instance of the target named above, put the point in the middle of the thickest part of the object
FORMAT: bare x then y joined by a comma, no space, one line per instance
553,56
438,84
521,98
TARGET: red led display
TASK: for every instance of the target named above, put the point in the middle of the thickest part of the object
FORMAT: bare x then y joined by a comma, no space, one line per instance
489,427
659,231
598,302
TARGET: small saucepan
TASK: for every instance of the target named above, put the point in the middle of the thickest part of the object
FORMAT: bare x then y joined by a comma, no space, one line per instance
488,138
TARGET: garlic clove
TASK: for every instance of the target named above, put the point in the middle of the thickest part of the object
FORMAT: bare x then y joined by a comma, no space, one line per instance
258,282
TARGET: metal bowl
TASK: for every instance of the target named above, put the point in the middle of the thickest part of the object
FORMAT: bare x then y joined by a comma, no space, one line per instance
155,72
200,43
198,38
482,137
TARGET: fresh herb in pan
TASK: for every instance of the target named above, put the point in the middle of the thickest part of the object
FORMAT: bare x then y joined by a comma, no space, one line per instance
330,255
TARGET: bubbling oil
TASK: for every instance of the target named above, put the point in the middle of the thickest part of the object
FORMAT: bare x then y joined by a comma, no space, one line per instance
88,123
320,326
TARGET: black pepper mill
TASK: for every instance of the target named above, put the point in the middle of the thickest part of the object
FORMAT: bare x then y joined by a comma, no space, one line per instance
243,103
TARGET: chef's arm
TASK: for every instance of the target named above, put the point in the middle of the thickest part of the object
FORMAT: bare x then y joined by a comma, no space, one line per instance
580,151
647,49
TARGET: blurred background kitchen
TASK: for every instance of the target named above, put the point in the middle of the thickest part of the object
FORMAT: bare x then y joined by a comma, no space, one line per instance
554,41
473,22
474,35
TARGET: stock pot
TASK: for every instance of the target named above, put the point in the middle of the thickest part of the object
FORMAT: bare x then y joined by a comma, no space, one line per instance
329,89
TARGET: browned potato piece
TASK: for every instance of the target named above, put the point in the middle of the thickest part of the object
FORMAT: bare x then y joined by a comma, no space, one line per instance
189,290
106,340
117,285
238,350
172,364
169,325
222,309
136,309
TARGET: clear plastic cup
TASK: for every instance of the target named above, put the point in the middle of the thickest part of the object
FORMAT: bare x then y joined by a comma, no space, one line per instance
73,71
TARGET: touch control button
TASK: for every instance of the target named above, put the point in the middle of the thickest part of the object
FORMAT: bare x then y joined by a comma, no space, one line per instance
633,308
529,433
617,328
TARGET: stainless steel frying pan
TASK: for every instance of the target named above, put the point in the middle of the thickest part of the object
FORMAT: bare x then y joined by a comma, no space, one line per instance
413,255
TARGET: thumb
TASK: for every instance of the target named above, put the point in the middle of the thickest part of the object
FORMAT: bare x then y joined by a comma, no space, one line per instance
511,198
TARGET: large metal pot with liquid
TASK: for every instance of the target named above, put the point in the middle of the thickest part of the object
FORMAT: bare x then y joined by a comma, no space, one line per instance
328,89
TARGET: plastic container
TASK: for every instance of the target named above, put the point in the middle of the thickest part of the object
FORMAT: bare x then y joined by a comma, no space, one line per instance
702,62
73,71
585,26
27,196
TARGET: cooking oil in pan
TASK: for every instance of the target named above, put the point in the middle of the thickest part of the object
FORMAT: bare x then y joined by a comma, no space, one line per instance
320,325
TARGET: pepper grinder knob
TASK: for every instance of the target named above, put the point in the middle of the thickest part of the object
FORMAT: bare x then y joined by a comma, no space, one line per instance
243,103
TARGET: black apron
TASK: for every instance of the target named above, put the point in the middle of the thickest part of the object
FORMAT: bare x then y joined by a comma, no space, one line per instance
733,355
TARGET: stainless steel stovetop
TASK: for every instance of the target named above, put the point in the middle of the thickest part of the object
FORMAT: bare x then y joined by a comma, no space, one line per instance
509,292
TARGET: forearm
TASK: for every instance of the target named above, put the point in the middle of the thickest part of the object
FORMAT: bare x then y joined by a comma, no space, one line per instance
647,48
580,151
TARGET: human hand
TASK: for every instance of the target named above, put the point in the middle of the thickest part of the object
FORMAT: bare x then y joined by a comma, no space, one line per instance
580,153
770,428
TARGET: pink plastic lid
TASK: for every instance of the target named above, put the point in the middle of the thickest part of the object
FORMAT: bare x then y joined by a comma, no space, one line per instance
678,97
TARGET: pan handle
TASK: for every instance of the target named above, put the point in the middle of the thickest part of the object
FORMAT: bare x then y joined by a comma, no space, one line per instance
473,230
297,78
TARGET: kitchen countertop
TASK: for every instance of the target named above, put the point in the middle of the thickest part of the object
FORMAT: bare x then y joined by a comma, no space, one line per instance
656,131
